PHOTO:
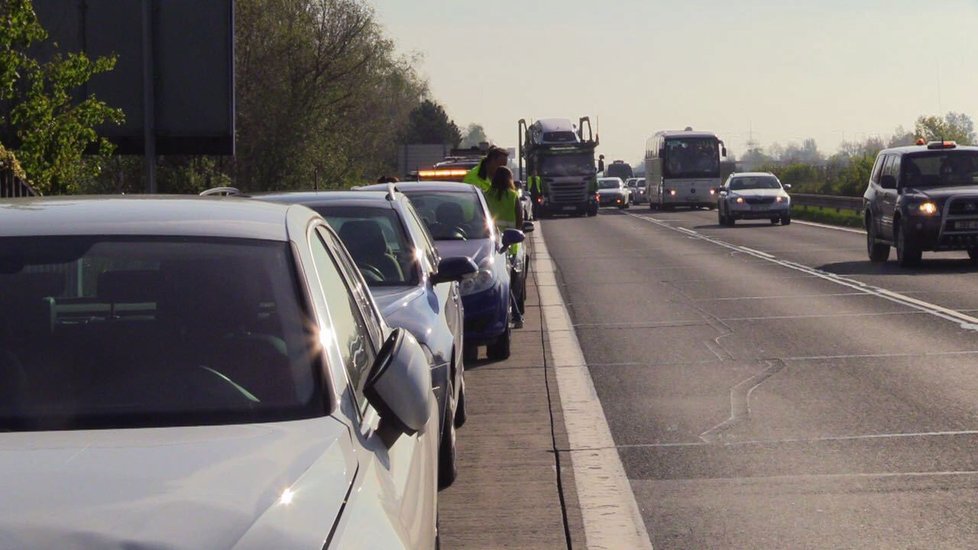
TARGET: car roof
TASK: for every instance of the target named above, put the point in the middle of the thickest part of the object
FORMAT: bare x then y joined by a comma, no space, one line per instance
686,134
406,186
375,199
923,149
145,215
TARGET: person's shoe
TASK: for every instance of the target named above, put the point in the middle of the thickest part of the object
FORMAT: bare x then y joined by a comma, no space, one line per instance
518,323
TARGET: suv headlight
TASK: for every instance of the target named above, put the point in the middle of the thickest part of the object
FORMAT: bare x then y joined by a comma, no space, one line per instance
926,208
479,282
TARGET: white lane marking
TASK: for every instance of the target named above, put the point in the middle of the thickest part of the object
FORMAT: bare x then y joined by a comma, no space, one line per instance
819,477
755,252
834,227
819,316
966,322
880,355
610,514
764,442
782,297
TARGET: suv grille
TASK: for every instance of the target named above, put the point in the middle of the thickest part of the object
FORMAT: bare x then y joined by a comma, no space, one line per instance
964,207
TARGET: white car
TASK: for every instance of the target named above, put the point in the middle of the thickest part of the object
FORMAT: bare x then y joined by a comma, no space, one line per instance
636,186
613,192
203,373
754,196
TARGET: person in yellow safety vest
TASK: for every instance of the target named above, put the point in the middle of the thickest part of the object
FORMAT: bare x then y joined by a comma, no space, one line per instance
503,202
535,186
481,175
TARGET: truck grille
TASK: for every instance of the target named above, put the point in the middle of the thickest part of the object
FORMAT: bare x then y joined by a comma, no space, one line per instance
568,192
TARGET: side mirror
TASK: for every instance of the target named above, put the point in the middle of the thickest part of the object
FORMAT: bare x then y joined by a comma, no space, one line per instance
512,236
888,182
399,384
454,269
724,151
787,186
528,227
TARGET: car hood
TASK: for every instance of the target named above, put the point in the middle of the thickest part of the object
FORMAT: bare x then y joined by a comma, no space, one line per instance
197,487
395,302
759,193
943,192
477,249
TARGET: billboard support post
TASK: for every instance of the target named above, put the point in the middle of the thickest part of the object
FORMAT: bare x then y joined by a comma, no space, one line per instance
149,101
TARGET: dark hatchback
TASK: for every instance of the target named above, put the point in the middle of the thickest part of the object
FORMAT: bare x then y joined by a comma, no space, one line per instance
458,218
413,286
922,198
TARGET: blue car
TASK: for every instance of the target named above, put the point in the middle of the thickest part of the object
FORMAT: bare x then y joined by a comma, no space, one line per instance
414,288
458,218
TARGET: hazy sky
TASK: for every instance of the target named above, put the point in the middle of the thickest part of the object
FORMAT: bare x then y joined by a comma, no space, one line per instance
789,70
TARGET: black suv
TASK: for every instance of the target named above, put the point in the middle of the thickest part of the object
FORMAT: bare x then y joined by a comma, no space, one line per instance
923,197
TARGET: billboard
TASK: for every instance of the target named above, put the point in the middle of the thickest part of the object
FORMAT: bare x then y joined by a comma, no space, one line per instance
174,76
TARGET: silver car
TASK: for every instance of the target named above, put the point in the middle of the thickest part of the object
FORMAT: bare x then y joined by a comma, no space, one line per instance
754,196
613,192
203,373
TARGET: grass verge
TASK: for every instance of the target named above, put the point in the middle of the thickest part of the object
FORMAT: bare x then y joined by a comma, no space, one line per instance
829,216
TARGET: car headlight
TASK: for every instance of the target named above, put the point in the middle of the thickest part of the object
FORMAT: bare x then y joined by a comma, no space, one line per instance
672,192
739,200
478,282
927,208
781,200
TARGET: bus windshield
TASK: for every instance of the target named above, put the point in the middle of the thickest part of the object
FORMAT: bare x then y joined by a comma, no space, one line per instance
691,158
567,165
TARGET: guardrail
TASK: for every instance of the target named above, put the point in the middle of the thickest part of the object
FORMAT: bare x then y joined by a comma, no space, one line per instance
854,204
12,186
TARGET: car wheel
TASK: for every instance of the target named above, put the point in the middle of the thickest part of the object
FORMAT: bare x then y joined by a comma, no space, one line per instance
878,252
500,349
973,254
461,415
774,221
907,255
470,353
447,459
786,220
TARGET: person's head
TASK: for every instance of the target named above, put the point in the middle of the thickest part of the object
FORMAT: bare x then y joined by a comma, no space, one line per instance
502,180
387,179
495,158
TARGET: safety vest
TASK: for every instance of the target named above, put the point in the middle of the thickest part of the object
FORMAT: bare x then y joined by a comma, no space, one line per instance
503,210
535,184
473,178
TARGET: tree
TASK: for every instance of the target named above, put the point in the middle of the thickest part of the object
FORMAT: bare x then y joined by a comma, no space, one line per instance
901,137
474,135
429,123
953,127
52,129
322,96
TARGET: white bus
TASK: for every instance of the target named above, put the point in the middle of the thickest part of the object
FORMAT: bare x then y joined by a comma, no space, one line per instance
683,169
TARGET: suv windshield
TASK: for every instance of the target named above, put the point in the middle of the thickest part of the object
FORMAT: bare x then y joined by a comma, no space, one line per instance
377,241
567,165
754,182
451,215
124,333
939,168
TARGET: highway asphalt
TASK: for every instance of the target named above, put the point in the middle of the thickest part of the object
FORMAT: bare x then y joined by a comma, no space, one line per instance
766,386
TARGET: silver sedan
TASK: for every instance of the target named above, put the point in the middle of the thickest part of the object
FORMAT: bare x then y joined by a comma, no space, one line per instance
754,196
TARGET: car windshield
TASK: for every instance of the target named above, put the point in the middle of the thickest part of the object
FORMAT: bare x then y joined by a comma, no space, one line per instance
567,165
608,184
451,215
691,157
124,333
754,182
378,242
939,168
